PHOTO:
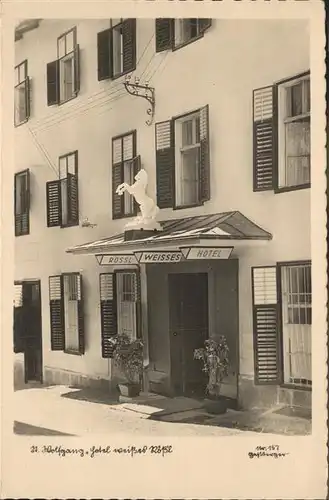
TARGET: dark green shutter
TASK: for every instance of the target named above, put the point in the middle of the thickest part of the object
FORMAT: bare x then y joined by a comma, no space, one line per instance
72,200
204,155
104,55
163,34
76,69
117,201
266,326
53,83
263,139
57,326
54,203
204,24
137,300
165,163
129,44
108,310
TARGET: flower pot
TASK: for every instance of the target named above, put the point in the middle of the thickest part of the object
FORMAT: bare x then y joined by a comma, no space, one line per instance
129,390
215,406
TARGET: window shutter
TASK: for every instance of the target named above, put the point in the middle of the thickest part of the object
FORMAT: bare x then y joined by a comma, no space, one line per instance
18,318
72,200
204,155
53,83
266,330
136,169
57,329
129,44
204,24
117,201
28,97
263,143
22,219
165,163
163,34
137,300
108,312
54,204
81,330
104,55
76,69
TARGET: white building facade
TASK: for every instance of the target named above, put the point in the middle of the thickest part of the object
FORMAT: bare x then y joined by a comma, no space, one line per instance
221,125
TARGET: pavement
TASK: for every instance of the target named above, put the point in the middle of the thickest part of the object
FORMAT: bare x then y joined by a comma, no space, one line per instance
62,410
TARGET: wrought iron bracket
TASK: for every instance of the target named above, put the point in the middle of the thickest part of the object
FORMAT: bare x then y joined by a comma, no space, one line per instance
145,91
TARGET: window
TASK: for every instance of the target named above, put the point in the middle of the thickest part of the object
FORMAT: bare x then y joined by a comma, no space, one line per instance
63,74
22,94
282,312
119,306
296,323
116,49
294,133
62,194
66,313
22,203
182,160
175,33
125,165
187,139
282,130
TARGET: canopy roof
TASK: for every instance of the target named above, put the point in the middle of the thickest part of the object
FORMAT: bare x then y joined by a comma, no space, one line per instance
222,226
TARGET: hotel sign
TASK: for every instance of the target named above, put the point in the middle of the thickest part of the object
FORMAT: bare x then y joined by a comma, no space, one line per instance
206,253
116,259
165,257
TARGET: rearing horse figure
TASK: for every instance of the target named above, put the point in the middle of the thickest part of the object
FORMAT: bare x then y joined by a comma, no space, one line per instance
148,207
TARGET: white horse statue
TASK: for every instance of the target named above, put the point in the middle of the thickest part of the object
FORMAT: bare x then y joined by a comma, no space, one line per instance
148,208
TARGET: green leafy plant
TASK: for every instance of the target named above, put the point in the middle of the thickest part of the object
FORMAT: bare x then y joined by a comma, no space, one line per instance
128,356
215,358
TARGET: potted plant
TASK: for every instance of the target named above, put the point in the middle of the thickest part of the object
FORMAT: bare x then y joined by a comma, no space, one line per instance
128,357
215,358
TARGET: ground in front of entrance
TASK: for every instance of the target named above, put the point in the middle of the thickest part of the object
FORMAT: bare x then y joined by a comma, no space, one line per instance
61,410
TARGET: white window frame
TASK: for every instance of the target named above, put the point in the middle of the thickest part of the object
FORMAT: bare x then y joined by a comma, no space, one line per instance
180,26
71,316
180,150
65,166
296,335
283,121
66,46
126,303
125,156
117,47
21,83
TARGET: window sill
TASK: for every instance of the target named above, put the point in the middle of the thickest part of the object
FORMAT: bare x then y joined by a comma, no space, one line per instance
116,77
181,45
291,188
22,122
181,207
124,216
60,103
296,387
69,225
74,353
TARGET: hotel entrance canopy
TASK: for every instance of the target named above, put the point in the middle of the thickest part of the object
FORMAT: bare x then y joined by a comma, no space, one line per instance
227,228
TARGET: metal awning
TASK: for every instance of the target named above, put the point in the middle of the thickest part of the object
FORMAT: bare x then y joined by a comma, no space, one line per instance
202,229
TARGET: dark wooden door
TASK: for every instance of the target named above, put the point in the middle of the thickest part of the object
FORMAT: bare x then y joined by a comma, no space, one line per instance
32,332
188,325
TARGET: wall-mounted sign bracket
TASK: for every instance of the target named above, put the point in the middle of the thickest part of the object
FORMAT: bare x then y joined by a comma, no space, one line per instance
145,91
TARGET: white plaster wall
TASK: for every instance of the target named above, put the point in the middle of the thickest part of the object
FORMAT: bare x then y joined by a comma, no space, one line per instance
221,70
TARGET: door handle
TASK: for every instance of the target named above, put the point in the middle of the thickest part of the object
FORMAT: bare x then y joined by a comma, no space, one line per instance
175,334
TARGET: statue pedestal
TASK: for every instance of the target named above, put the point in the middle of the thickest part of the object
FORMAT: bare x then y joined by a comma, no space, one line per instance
138,234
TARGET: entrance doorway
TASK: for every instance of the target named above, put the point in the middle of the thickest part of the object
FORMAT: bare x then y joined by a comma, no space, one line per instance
188,328
28,328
